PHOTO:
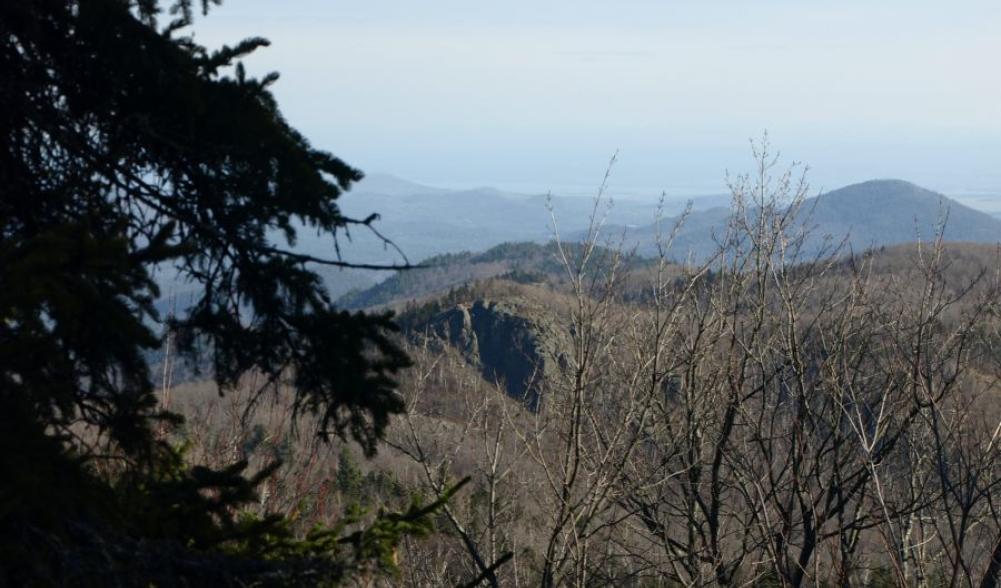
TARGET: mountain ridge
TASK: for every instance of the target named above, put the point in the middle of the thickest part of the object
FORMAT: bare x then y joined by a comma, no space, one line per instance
875,213
866,214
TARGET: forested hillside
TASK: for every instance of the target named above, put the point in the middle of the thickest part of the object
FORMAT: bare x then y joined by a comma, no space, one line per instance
228,359
751,418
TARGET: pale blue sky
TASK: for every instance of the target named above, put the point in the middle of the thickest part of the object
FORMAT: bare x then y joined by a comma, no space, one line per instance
539,94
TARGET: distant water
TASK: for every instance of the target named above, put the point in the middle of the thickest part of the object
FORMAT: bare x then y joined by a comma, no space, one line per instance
582,190
989,202
983,200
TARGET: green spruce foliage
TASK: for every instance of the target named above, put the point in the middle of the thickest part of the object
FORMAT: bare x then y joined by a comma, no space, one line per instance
127,147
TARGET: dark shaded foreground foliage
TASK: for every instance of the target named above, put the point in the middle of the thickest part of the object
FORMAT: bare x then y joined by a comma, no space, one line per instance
126,150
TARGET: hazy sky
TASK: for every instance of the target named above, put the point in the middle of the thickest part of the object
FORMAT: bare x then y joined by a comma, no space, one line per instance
539,94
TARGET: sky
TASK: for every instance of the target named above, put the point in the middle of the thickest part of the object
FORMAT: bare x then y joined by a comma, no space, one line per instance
533,95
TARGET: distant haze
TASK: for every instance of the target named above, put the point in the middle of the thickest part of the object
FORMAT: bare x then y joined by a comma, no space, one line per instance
527,95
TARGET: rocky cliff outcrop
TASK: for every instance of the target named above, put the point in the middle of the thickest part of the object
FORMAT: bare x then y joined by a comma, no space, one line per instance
511,342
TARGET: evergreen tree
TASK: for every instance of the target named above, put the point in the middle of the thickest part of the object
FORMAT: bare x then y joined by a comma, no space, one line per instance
125,146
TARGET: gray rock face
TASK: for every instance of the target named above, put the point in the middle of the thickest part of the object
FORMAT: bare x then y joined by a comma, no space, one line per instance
507,341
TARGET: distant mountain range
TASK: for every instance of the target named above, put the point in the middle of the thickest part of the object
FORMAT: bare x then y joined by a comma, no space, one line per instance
869,214
885,212
426,221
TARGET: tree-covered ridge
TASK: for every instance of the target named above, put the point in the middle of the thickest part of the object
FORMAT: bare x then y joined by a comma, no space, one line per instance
523,262
754,420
